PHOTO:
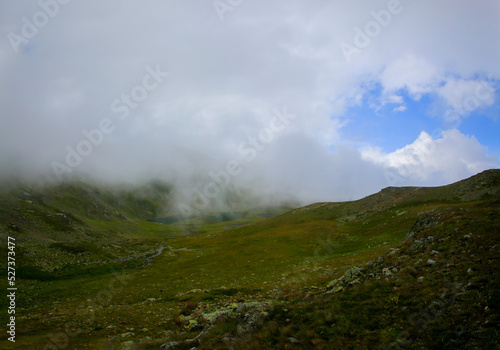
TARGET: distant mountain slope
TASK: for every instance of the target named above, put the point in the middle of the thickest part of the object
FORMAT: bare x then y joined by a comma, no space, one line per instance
485,185
72,224
65,208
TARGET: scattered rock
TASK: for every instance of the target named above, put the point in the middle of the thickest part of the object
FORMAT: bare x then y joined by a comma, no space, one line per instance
169,345
431,262
423,223
393,251
127,334
351,276
386,271
417,244
257,311
420,279
356,281
409,236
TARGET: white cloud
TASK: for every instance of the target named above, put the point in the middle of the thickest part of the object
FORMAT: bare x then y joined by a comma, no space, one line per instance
226,77
459,96
465,96
412,73
450,158
400,109
395,99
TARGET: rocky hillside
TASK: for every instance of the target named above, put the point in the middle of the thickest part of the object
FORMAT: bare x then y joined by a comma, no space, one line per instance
438,289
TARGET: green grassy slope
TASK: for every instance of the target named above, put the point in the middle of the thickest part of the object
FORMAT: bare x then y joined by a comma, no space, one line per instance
438,290
72,224
129,280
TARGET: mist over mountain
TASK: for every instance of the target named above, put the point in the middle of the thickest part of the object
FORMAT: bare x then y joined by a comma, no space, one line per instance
291,169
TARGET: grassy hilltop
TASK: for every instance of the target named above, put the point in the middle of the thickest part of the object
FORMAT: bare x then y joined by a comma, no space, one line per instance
108,268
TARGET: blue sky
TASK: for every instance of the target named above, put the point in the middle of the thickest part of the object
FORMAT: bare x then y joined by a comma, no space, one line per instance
390,130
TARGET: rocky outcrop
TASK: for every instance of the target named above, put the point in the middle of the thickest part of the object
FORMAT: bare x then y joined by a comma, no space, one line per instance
424,223
352,276
249,315
416,240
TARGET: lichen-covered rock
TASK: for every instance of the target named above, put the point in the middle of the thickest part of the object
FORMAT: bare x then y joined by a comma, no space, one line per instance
169,345
235,309
386,271
393,251
351,276
417,244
